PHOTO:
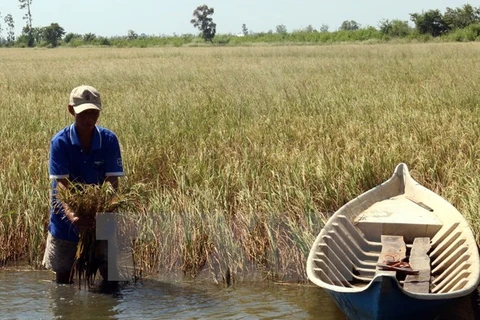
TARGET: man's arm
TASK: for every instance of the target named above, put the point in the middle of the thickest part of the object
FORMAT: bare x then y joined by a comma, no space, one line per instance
65,184
113,180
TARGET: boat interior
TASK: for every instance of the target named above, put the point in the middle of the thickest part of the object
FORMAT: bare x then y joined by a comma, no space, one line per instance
397,237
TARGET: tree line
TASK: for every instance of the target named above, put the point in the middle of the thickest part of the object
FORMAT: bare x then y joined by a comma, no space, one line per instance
30,36
458,24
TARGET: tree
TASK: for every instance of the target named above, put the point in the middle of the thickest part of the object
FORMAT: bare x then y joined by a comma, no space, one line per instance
309,28
10,28
89,37
460,18
1,30
132,35
281,29
430,22
244,29
53,33
37,34
203,21
70,36
349,25
324,28
27,31
103,41
26,4
394,28
27,36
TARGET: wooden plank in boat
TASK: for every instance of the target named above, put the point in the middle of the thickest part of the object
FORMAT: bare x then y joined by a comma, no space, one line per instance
393,249
419,260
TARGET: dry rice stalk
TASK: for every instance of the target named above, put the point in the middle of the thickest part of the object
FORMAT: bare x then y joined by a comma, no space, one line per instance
86,201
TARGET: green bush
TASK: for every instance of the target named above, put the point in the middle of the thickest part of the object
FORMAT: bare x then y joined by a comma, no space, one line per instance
470,33
102,41
76,42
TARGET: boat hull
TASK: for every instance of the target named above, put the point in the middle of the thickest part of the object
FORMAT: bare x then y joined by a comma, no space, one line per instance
384,300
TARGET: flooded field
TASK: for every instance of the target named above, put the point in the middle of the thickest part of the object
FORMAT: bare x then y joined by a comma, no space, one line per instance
33,295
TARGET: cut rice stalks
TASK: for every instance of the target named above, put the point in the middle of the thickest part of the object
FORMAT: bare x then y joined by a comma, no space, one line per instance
86,201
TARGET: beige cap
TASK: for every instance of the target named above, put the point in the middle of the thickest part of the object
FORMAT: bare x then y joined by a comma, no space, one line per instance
85,97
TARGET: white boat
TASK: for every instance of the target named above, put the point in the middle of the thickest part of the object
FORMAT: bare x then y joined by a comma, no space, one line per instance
398,251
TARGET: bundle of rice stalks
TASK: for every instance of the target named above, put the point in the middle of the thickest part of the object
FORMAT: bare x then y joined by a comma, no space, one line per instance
86,201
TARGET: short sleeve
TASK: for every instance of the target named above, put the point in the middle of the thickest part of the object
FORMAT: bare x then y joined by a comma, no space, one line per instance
114,165
58,162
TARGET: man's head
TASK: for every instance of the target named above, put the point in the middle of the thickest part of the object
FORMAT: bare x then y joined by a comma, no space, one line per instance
85,106
85,98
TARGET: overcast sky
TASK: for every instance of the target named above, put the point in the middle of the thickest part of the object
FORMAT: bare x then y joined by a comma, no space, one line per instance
157,17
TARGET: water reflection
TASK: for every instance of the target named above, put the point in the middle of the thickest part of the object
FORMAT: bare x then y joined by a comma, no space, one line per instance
68,302
32,295
21,301
245,301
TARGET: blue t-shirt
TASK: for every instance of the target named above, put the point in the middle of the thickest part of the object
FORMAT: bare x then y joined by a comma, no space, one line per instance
68,161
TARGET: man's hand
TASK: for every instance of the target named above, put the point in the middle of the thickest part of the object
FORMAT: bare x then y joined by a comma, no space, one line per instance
80,222
77,221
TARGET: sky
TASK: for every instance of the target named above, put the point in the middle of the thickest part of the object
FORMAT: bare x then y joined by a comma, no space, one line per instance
158,17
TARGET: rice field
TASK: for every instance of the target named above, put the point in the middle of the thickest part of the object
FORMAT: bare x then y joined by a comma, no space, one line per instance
244,151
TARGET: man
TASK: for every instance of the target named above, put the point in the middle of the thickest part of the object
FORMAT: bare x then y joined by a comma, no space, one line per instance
82,153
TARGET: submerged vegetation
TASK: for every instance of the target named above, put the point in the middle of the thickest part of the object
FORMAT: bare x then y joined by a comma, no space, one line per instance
243,151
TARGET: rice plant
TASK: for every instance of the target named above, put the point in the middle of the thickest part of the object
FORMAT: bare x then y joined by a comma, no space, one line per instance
86,201
244,151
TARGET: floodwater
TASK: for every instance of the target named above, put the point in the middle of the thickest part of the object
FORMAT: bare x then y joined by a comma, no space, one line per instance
32,295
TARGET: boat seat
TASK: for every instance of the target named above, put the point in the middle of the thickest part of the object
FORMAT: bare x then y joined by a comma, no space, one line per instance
393,249
399,215
419,260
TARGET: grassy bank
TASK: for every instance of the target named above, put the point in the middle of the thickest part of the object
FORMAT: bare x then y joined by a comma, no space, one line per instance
244,150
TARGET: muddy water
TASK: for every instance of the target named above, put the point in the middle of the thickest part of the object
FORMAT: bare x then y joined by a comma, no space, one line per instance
32,295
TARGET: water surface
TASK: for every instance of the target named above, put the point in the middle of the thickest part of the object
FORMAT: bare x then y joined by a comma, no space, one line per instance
32,295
